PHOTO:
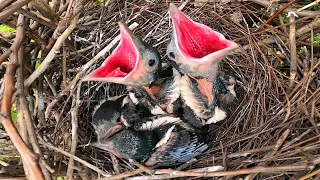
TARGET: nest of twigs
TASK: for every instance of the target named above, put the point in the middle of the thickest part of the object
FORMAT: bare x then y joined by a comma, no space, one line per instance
272,131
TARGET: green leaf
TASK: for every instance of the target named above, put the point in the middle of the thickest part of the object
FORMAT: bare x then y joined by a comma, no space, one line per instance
6,158
316,39
14,114
6,29
37,64
61,178
14,117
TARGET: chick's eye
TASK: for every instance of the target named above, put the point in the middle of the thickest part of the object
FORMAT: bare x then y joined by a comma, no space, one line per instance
152,62
171,54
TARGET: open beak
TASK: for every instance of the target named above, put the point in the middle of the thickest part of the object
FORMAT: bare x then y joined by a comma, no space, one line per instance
125,64
195,45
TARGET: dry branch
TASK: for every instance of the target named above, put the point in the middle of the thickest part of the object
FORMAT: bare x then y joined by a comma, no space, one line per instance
74,133
310,175
28,119
53,52
85,163
293,49
265,3
308,27
28,157
34,16
276,147
5,3
170,176
43,7
176,173
12,9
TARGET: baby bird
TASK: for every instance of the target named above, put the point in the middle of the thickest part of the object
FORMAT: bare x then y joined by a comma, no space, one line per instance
161,96
161,141
196,51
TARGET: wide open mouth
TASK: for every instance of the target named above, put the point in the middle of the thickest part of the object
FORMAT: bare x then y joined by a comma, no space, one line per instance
122,61
194,39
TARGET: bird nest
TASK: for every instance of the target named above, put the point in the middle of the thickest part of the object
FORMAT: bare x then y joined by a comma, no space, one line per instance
272,128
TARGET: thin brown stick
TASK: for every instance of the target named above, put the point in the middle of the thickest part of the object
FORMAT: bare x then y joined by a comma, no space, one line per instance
5,56
33,16
12,9
297,138
293,50
276,147
27,115
85,163
74,133
305,29
5,117
238,172
311,119
64,65
24,135
288,168
5,3
310,175
123,175
44,9
265,3
115,163
140,166
170,176
53,52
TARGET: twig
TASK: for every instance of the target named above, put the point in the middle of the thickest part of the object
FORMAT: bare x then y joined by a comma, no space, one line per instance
27,115
85,163
51,86
293,50
24,135
176,173
5,56
310,175
305,29
64,65
311,119
33,16
123,175
276,147
41,104
5,117
84,68
140,166
185,165
74,133
170,176
115,163
246,153
44,9
22,123
53,52
309,5
12,9
5,3
302,13
288,168
283,8
297,138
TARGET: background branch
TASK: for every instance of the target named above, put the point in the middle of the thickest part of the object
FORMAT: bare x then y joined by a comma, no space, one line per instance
28,157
